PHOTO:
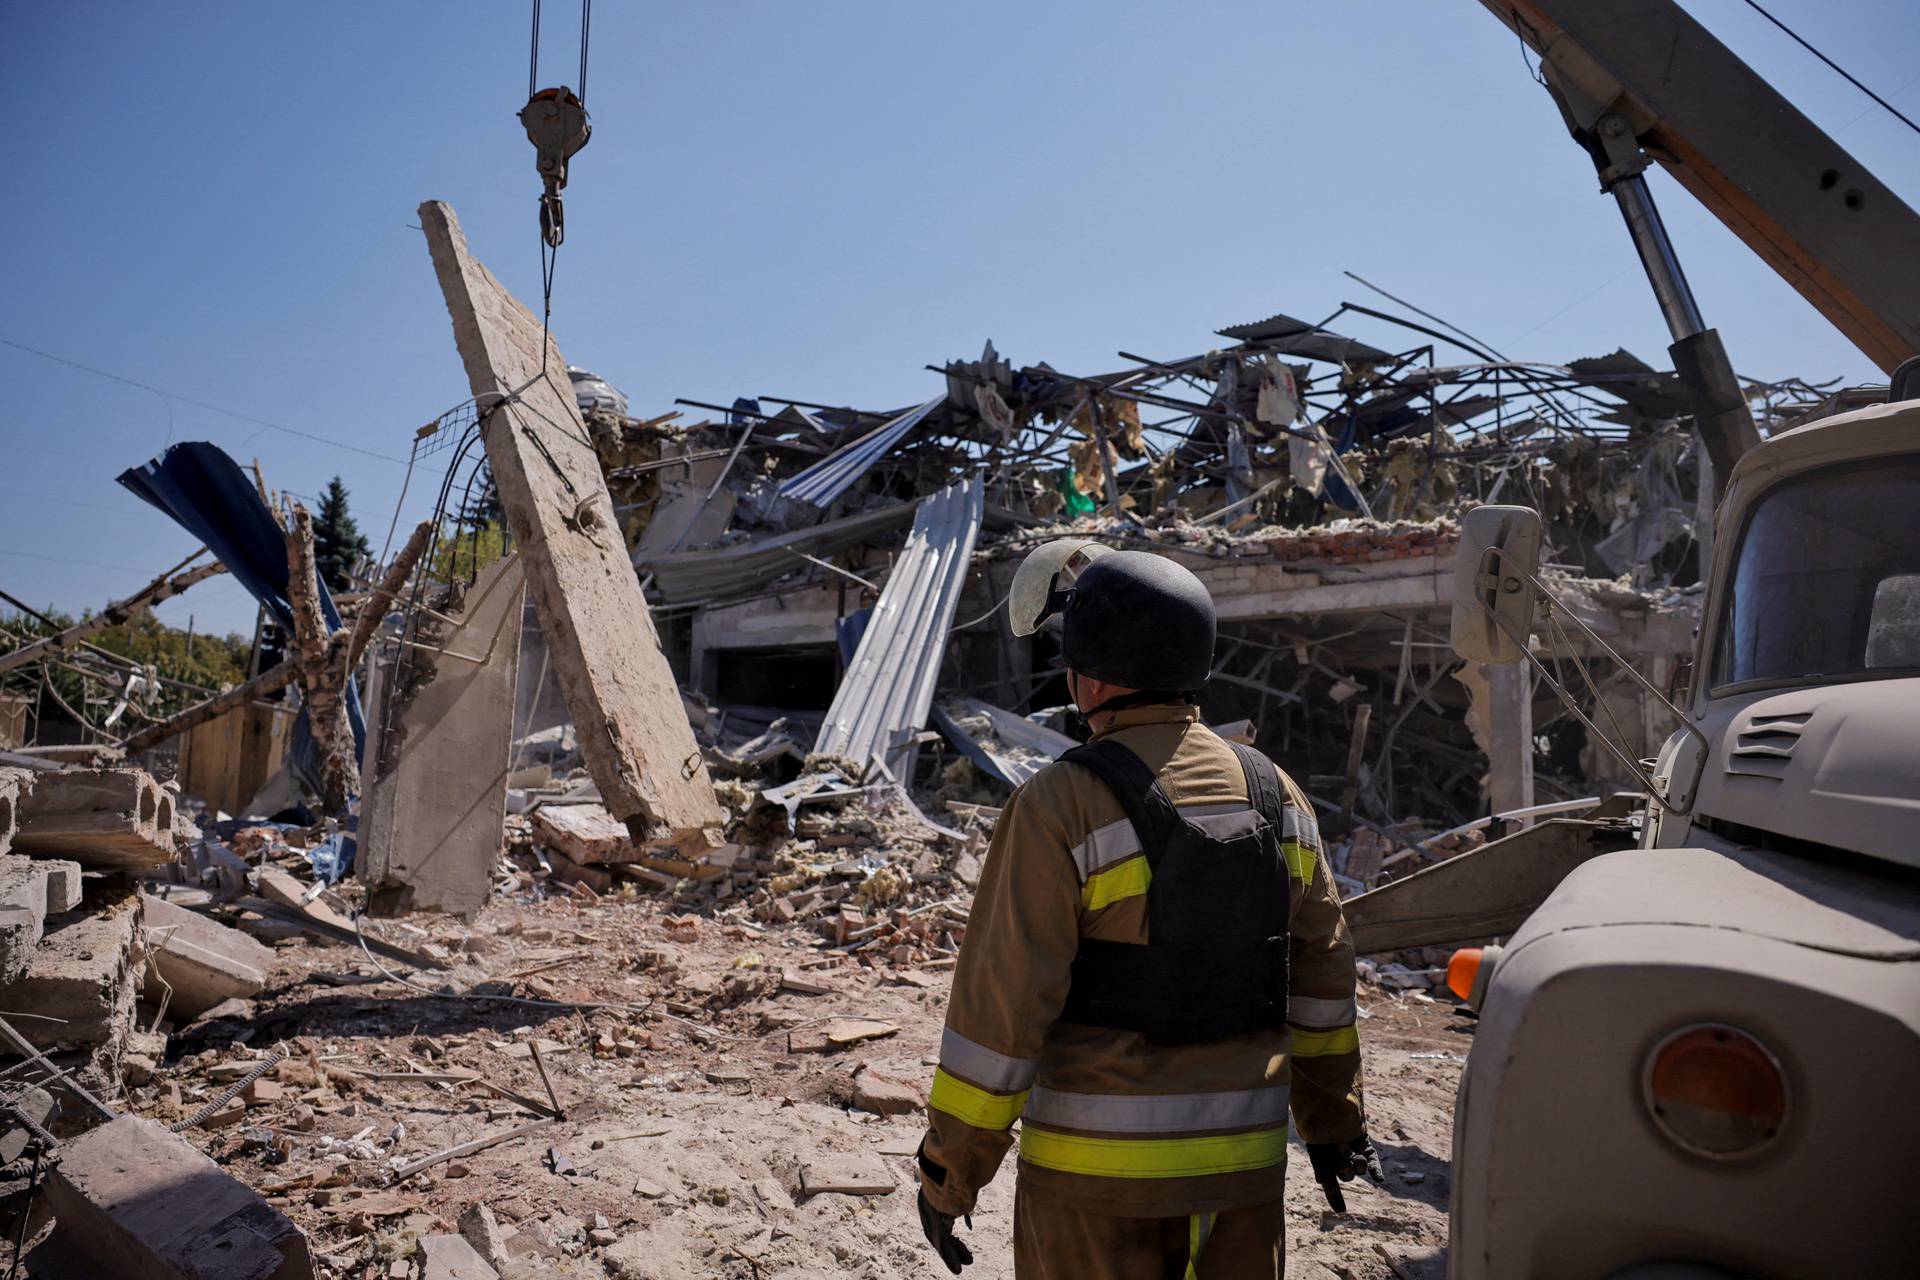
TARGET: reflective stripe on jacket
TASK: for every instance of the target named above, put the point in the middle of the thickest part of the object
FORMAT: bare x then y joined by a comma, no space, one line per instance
1108,1119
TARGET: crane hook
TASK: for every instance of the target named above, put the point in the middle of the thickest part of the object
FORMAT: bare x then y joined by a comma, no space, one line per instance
557,126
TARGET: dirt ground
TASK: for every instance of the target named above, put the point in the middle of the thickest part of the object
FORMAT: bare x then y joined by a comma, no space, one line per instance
701,1112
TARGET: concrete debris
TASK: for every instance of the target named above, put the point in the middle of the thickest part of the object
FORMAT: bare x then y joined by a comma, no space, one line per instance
107,819
601,639
130,1199
195,963
81,985
442,712
695,733
452,1258
14,783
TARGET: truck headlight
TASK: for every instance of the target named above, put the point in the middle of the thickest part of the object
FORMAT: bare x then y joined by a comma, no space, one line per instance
1716,1091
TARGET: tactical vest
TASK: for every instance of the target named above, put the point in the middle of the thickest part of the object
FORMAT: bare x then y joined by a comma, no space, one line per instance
1214,965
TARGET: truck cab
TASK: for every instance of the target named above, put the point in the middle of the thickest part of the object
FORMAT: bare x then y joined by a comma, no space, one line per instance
1699,1057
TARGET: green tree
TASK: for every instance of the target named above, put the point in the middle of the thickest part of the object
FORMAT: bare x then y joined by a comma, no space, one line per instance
338,543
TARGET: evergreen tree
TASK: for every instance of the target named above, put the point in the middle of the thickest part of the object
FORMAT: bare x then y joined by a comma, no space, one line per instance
338,543
482,506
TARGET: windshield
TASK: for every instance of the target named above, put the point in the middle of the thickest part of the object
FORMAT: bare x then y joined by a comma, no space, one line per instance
1826,583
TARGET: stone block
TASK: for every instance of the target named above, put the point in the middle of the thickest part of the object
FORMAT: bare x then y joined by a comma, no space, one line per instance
451,1258
63,884
134,1201
202,960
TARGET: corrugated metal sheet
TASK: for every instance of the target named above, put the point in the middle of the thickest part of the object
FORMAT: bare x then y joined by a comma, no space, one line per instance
1288,336
1038,745
828,478
721,573
888,687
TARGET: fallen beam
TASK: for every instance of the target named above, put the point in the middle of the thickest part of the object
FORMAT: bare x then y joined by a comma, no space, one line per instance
619,689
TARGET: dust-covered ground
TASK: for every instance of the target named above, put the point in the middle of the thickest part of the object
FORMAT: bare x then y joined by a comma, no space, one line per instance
704,1109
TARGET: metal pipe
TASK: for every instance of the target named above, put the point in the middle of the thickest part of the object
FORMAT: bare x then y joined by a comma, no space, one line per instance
1657,256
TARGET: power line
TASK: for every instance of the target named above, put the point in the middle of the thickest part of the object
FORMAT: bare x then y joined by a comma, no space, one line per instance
92,564
200,404
1890,108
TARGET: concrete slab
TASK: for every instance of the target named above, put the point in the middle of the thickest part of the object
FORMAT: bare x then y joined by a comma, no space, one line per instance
437,751
135,1201
621,692
82,973
201,960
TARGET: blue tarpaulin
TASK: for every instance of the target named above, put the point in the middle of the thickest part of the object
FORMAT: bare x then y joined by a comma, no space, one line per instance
207,494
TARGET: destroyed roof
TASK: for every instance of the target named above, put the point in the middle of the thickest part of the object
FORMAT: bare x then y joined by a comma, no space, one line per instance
1650,394
1285,335
830,477
719,573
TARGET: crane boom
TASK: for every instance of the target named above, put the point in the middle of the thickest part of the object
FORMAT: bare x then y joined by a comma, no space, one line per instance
1813,213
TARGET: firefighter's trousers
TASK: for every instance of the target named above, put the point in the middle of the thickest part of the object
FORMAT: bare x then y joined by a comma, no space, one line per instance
1055,1241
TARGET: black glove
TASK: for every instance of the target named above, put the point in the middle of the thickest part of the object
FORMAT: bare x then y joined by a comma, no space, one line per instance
1337,1162
938,1226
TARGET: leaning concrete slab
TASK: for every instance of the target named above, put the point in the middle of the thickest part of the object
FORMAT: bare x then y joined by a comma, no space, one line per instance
437,751
620,691
132,1200
200,961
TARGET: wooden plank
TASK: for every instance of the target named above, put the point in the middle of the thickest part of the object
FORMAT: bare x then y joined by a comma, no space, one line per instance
618,687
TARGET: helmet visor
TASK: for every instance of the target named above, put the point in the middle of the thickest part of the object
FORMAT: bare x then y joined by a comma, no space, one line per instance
1034,597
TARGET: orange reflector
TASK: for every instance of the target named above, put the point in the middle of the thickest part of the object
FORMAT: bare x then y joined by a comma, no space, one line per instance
1462,970
1716,1090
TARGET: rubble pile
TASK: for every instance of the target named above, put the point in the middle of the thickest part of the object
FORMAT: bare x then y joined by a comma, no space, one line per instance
655,775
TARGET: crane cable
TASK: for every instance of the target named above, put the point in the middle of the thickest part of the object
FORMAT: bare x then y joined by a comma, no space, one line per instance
533,56
554,152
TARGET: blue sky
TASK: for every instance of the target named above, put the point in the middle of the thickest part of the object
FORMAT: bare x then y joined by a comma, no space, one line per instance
801,200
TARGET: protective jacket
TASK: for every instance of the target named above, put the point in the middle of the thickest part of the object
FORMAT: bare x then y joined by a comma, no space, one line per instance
1116,1121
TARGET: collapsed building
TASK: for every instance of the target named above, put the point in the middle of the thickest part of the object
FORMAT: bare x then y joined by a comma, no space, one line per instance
755,663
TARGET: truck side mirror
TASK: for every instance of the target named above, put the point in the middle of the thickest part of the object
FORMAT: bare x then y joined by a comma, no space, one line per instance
1493,591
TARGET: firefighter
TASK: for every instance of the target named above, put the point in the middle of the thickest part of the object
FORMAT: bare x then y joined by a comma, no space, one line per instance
1155,972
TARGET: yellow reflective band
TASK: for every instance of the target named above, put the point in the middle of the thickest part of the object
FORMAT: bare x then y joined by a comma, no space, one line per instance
1300,861
1104,888
1153,1157
1325,1044
977,1107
